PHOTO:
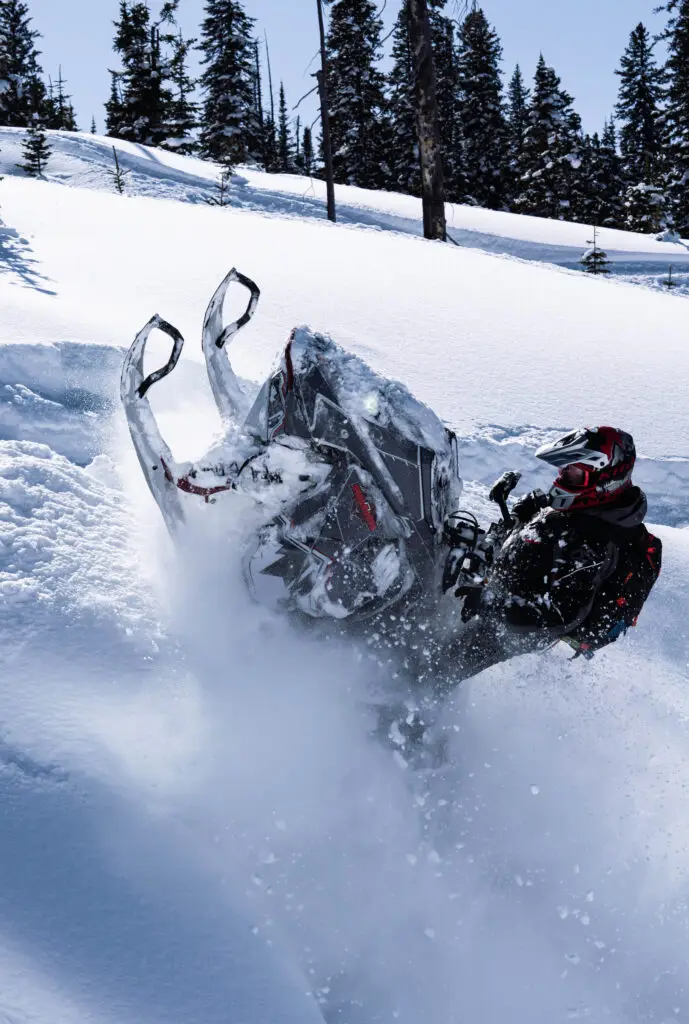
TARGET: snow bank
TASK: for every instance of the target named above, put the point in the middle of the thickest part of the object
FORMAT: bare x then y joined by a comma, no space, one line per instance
481,339
197,824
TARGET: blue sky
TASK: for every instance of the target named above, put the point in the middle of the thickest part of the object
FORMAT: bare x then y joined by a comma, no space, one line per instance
583,40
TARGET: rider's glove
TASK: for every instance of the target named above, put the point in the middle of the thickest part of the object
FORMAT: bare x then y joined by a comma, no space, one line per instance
527,507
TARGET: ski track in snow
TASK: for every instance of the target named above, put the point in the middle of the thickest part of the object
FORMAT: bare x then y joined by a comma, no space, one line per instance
196,823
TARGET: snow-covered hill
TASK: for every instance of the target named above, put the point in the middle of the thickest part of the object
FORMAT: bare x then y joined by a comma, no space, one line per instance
196,823
87,161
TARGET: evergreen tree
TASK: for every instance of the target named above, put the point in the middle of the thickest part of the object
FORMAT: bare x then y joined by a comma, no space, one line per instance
36,150
595,261
638,110
228,132
114,108
222,197
120,174
93,126
677,113
269,137
22,92
551,156
599,194
139,102
183,116
149,100
357,102
285,144
298,156
59,109
307,151
517,124
481,111
405,171
645,208
265,151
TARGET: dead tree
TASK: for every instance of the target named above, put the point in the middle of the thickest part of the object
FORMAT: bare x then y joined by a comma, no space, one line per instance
427,123
322,79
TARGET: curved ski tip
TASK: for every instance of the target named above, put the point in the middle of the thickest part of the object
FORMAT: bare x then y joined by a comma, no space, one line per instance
132,377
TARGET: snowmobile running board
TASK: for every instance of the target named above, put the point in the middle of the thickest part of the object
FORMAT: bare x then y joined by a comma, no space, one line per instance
164,476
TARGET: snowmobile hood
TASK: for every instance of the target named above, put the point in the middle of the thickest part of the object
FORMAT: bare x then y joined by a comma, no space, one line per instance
628,512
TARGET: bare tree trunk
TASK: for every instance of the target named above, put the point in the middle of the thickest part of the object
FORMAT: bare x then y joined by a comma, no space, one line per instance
322,79
427,125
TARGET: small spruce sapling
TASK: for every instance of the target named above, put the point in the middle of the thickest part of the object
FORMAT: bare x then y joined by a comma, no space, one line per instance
222,186
36,150
668,282
120,175
595,261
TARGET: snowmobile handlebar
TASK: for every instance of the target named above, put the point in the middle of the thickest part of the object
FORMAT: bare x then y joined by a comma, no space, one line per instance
154,323
500,492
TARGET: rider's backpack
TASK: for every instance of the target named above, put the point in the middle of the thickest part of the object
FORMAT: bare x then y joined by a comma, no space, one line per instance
622,596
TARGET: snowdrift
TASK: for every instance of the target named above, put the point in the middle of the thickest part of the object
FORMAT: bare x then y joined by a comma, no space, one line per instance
196,823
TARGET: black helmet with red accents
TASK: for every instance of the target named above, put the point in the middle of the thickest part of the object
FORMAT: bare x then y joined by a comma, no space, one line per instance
595,465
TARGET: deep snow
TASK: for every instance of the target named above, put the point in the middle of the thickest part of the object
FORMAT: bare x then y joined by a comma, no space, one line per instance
197,825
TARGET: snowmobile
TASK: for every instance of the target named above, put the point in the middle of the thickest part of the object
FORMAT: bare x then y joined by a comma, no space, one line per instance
356,480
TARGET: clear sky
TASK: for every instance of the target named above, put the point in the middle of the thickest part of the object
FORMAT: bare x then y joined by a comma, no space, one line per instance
583,40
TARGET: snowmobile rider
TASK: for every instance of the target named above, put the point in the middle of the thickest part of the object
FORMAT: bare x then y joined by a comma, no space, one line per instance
575,565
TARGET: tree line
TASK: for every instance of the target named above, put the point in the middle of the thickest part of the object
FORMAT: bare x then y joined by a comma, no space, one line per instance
520,148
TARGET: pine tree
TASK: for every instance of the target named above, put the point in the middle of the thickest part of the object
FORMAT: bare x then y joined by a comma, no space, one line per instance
139,104
405,172
228,132
517,124
645,209
638,110
356,91
120,174
285,144
481,111
114,108
94,129
259,120
599,193
59,110
222,197
677,113
183,117
552,150
149,99
36,150
595,261
22,93
307,151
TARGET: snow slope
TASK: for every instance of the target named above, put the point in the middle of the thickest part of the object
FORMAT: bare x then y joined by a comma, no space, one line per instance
197,825
87,161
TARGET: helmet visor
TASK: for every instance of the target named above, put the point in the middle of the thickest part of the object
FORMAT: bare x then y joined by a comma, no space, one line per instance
575,477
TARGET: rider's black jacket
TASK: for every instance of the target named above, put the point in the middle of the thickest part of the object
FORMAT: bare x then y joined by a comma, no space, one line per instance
581,575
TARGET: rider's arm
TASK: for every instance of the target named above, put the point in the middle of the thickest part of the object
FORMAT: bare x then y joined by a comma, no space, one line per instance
550,576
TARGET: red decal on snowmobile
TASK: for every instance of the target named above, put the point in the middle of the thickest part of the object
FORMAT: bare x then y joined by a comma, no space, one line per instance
364,507
185,484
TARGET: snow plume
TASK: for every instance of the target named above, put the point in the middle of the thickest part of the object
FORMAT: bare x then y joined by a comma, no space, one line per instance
540,873
515,880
